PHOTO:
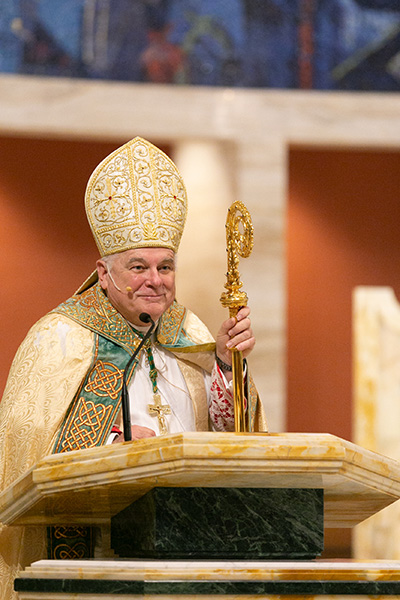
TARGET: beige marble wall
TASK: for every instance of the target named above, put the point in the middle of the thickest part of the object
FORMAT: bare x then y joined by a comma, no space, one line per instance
248,132
376,318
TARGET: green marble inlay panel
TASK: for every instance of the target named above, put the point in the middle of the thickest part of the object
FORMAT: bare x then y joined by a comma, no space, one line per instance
230,523
224,588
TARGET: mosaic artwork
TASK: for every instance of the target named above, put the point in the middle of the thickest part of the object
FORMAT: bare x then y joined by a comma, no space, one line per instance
306,44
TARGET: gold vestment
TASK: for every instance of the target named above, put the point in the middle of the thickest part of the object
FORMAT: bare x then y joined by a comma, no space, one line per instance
46,372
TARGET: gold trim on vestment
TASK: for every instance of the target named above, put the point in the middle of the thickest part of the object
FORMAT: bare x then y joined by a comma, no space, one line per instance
93,310
194,379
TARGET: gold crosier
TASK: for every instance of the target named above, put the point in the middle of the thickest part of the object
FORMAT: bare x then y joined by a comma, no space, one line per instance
239,242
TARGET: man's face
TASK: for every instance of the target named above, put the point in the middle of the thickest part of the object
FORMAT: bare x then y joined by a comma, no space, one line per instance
146,281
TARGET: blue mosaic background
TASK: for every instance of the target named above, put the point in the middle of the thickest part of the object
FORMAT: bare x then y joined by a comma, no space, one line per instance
307,44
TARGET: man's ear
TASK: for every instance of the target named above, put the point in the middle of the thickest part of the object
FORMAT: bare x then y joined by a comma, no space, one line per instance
102,272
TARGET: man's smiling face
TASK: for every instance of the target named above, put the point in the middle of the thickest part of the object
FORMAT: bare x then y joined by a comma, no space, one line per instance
139,280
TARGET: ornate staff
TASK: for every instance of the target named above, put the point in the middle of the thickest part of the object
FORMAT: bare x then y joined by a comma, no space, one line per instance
239,242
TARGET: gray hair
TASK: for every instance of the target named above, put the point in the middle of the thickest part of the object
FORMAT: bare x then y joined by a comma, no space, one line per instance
110,258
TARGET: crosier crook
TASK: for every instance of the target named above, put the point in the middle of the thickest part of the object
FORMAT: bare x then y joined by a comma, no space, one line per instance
239,242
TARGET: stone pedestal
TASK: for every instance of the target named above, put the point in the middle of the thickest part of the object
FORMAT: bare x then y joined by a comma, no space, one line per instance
95,580
221,523
267,489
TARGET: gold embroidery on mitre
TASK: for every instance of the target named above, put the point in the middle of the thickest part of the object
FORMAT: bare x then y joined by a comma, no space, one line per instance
88,421
149,231
136,198
105,379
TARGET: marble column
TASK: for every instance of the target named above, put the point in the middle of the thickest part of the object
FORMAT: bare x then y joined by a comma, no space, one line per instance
376,358
207,171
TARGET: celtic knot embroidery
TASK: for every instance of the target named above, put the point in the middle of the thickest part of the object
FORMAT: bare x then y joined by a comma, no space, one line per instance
105,380
93,310
70,542
66,532
64,552
171,323
85,426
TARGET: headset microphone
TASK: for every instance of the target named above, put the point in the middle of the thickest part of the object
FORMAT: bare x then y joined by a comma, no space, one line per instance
112,279
128,288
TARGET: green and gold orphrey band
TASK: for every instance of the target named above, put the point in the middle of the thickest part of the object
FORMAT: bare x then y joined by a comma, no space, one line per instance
93,410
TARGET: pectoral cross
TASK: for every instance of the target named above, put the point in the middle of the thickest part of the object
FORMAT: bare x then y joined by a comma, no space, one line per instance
160,410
